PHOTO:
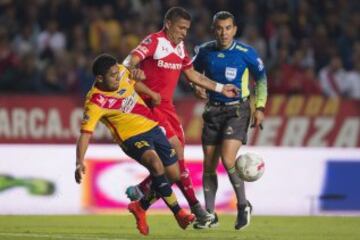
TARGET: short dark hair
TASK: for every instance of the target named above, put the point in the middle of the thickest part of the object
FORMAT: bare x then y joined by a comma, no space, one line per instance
222,15
102,64
174,13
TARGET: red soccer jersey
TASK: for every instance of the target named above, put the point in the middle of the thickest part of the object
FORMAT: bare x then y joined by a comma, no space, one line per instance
162,62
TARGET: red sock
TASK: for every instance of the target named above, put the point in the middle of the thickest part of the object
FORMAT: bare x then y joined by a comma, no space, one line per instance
185,184
145,185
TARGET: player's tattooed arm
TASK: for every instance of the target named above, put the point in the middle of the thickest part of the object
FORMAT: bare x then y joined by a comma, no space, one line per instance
199,92
201,80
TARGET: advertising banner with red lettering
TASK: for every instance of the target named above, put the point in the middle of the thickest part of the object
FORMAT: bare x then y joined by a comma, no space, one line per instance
290,121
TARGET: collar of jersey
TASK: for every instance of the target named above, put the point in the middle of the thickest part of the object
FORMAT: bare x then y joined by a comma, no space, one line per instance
163,34
229,48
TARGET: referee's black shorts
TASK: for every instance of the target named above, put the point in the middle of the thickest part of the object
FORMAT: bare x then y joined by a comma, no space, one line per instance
225,122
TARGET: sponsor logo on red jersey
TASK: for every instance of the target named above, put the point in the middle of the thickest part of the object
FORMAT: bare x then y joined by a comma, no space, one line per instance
167,65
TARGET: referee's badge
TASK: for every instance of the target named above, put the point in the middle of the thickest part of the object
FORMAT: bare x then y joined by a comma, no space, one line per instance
230,73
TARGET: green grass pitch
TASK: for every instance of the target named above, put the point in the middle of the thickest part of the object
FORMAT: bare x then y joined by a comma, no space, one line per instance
121,227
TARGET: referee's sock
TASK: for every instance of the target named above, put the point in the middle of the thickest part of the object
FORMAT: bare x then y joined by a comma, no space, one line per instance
238,185
210,185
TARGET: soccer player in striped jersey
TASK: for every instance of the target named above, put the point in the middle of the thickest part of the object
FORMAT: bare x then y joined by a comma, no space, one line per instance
114,101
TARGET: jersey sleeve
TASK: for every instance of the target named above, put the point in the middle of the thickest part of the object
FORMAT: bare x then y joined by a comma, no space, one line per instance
257,69
92,115
146,48
187,63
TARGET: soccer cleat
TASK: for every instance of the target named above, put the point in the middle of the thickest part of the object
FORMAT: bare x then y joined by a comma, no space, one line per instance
184,218
243,216
134,193
213,222
201,214
140,216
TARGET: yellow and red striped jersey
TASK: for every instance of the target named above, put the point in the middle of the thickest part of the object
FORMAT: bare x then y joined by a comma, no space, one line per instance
123,112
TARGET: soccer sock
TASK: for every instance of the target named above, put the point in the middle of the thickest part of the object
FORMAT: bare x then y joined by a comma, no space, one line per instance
148,199
238,185
162,187
145,185
210,185
185,184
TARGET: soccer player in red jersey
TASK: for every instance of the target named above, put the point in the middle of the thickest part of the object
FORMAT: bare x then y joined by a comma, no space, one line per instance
162,56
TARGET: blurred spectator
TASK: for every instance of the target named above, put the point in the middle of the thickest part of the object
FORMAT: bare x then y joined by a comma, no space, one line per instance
25,41
124,9
51,41
251,37
8,19
322,45
308,59
49,10
28,77
303,22
297,78
77,39
249,16
9,63
51,82
83,72
70,14
200,34
332,22
281,39
333,78
104,32
199,13
112,28
56,40
345,44
353,79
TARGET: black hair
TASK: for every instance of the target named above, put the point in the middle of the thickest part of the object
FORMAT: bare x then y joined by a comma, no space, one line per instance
102,64
174,13
223,15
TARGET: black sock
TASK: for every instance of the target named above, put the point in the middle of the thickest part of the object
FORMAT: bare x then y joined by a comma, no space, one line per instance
162,187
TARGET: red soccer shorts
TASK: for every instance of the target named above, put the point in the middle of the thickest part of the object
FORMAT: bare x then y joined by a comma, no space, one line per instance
166,115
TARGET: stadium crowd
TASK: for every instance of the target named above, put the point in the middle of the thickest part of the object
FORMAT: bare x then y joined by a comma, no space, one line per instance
309,46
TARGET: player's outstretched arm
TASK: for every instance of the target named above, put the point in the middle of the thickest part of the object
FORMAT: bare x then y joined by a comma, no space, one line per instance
199,92
201,80
81,147
143,89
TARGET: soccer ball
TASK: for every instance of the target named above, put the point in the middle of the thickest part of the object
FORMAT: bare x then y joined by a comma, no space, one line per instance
250,166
